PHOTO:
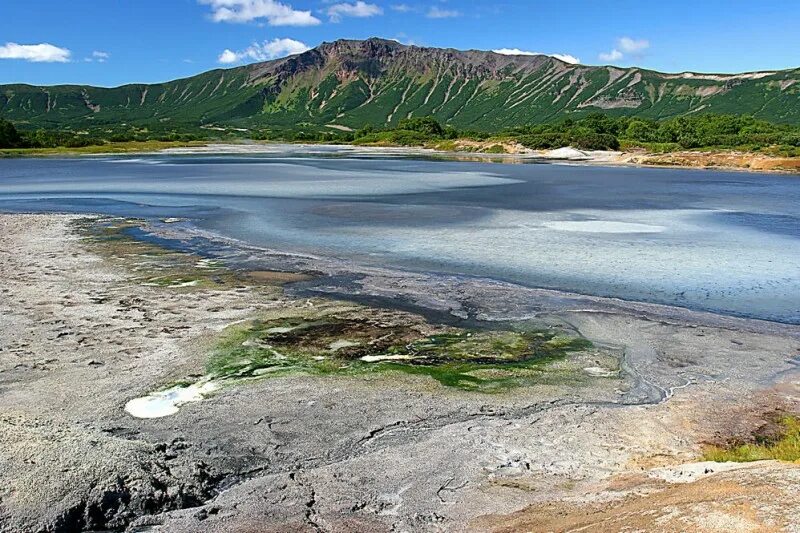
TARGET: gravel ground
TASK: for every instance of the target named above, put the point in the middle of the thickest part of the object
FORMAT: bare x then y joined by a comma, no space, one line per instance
79,338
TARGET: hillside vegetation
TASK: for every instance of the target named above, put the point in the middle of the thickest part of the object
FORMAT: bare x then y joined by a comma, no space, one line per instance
347,85
593,132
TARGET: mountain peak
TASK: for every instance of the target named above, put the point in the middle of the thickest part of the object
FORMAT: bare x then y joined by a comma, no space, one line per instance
372,46
349,83
370,42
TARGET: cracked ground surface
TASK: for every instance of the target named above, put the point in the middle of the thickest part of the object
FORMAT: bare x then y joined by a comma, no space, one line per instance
79,338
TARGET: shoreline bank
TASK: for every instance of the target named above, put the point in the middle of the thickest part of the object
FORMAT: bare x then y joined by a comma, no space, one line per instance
727,160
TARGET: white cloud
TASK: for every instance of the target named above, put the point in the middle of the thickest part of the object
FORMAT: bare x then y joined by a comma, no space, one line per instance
36,53
626,47
566,58
356,9
439,13
228,56
401,8
264,51
275,13
99,56
515,52
633,46
613,55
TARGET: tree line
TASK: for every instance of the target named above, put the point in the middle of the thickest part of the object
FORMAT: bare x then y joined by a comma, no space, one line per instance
598,131
11,137
595,131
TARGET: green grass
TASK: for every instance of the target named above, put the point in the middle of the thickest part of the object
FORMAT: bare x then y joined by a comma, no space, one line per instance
154,265
495,149
394,138
784,447
108,148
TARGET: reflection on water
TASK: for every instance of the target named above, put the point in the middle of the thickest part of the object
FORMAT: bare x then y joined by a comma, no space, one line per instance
719,241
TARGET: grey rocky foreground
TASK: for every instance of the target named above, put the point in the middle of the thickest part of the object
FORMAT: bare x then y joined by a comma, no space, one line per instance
78,340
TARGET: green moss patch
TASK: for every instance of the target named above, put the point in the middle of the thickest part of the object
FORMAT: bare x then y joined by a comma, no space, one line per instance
470,360
155,265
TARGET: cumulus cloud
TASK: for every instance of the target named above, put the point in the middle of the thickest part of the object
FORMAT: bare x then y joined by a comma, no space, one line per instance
356,9
264,51
274,12
228,56
626,46
36,53
439,13
566,58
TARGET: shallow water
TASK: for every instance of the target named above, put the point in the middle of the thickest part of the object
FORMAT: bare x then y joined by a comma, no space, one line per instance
726,242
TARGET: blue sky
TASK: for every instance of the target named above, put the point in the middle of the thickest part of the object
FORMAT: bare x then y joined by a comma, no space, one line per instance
113,42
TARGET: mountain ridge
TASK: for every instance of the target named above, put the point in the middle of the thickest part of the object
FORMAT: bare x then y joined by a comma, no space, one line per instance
351,83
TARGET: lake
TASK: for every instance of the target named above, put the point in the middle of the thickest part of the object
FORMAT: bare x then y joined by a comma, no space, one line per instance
726,242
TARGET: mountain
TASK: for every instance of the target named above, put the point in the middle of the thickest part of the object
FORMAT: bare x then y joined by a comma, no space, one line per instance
346,84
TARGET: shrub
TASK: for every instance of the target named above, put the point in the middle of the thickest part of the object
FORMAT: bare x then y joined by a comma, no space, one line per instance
426,125
543,141
791,139
642,131
595,141
9,136
495,149
397,137
363,132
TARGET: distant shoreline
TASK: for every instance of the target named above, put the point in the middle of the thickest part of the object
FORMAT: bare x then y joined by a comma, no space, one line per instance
469,150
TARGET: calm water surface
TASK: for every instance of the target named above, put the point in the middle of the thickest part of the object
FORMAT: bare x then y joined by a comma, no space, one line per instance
727,242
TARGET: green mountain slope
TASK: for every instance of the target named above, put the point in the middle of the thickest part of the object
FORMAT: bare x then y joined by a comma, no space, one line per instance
352,83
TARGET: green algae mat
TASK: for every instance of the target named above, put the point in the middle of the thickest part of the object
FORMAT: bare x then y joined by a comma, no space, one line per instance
479,360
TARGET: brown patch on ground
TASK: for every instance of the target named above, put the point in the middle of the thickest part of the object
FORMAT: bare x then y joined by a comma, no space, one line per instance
276,277
657,494
497,146
757,419
757,497
732,160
